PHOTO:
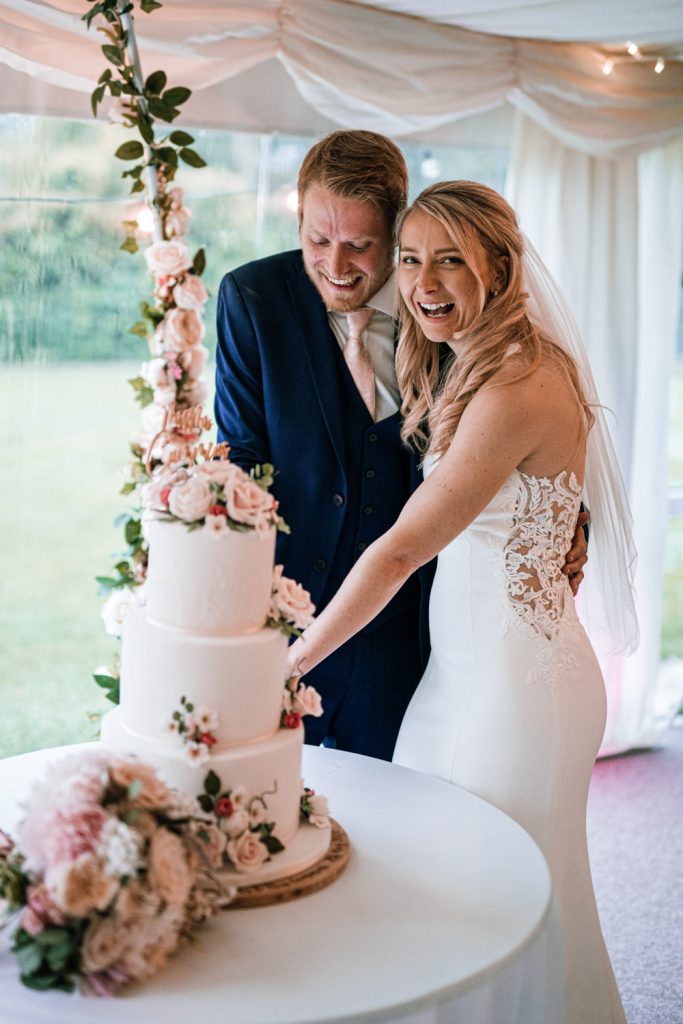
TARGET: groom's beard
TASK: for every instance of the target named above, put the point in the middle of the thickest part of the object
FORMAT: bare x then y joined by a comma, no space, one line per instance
364,285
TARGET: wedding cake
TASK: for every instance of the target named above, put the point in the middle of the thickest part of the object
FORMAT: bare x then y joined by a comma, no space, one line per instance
203,696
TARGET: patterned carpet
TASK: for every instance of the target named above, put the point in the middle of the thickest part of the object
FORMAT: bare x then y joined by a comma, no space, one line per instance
635,833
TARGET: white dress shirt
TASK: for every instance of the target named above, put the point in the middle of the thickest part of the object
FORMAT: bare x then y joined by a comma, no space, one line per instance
379,341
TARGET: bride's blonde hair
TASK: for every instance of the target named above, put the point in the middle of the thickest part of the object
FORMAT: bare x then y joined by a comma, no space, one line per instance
436,389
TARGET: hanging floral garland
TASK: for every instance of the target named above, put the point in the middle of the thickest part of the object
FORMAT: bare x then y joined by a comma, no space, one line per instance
172,321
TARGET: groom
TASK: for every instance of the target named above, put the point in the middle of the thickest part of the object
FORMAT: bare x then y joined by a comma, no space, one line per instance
302,385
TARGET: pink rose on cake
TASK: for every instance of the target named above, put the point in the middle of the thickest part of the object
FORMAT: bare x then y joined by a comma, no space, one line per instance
290,602
168,259
247,852
307,701
248,503
181,329
191,499
190,293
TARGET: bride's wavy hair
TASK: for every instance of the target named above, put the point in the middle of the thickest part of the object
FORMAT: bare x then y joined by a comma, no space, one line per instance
435,387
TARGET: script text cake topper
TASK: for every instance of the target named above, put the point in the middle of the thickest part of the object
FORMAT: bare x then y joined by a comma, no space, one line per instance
180,430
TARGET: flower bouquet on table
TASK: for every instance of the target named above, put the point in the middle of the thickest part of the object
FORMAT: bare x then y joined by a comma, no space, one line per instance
110,872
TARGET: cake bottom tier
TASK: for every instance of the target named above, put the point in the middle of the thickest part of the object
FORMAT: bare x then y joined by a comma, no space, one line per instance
270,769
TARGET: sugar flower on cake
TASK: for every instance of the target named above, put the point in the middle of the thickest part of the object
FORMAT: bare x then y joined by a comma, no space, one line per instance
191,499
314,808
213,494
290,603
110,871
244,820
299,700
117,606
196,727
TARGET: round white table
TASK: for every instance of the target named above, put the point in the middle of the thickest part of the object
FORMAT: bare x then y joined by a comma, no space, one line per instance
444,914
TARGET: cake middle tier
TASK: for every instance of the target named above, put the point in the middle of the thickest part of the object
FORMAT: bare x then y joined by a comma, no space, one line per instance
240,677
268,773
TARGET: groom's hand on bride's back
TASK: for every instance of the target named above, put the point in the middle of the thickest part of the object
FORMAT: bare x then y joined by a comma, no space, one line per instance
577,556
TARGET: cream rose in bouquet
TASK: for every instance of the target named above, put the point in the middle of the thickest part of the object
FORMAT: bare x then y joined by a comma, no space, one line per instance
110,871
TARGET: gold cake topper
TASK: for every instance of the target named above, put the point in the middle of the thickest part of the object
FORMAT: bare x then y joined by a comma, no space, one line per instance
181,428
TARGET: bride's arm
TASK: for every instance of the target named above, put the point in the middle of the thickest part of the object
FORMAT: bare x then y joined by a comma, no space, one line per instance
499,429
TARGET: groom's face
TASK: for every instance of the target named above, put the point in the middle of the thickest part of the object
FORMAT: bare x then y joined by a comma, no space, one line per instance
347,248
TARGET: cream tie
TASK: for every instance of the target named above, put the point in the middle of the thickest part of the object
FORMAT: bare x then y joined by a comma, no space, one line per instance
357,358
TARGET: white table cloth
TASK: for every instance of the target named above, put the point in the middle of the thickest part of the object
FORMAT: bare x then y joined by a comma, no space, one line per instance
444,914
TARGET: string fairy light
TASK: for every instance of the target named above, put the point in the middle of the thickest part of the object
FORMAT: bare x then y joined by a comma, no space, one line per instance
633,52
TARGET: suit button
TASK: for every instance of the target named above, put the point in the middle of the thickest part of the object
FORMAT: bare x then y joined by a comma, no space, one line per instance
369,473
372,437
320,564
338,500
362,546
368,510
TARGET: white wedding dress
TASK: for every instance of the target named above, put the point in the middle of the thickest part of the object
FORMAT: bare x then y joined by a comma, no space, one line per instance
512,703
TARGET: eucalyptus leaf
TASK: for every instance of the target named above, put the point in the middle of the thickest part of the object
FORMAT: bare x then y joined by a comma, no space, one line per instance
179,138
205,802
191,157
114,54
147,6
161,109
155,83
139,328
146,130
134,789
177,96
199,262
137,186
30,958
130,245
131,150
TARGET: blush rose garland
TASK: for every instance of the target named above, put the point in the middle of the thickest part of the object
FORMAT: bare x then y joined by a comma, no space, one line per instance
172,322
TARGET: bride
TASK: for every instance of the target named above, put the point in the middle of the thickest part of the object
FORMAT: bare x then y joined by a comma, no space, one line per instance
497,395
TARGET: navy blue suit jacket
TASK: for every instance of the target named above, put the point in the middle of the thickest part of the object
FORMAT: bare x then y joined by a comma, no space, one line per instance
278,400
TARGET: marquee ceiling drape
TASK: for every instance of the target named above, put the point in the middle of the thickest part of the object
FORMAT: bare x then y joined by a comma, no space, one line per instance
409,68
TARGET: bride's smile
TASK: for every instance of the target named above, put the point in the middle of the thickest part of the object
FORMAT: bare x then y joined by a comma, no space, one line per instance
443,292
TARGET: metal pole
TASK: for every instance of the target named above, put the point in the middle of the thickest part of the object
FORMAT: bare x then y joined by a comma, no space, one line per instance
151,172
262,194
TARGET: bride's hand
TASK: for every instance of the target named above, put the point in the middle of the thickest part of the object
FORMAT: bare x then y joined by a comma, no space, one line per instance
295,654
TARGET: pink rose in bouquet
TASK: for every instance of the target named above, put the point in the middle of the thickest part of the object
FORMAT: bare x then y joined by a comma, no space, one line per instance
190,293
168,259
181,329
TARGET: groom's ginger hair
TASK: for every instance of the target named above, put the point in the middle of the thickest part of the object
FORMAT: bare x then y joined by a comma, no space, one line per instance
358,165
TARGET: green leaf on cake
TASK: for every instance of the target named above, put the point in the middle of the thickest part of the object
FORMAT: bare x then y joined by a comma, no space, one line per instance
111,686
272,844
205,802
212,784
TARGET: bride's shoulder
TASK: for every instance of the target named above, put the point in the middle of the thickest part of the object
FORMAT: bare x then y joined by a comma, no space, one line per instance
539,385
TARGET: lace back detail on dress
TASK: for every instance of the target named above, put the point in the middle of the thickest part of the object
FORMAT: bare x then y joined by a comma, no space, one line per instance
543,520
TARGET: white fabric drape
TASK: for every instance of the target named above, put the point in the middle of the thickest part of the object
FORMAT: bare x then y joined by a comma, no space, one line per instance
363,65
610,232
